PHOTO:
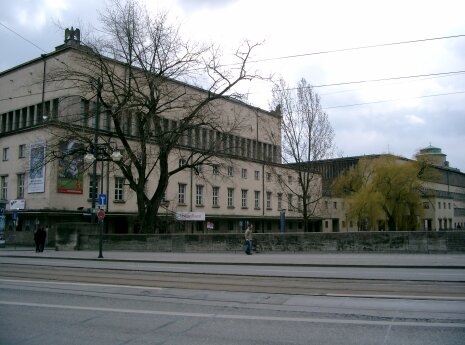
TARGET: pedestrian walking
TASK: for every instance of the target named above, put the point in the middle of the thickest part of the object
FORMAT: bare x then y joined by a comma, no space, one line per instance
248,239
42,236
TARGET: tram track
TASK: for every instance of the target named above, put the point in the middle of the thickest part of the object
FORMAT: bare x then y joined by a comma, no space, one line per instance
239,283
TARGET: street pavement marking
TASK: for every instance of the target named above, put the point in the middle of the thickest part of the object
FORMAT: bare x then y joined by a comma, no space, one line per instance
81,284
239,317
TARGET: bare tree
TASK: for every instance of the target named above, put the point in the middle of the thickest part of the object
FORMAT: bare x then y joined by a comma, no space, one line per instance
160,94
307,137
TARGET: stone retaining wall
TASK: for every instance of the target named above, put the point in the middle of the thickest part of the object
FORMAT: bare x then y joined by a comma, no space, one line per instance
77,236
409,242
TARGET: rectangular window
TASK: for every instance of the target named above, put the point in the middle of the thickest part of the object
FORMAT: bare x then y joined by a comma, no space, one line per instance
230,171
22,151
84,112
439,204
21,180
244,173
244,198
257,200
268,200
230,197
268,177
6,154
289,179
91,185
280,201
119,188
181,193
289,202
4,187
215,196
335,205
216,169
106,120
257,175
182,162
199,195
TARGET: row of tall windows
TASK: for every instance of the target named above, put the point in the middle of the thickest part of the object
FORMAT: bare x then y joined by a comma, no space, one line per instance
198,138
230,197
29,116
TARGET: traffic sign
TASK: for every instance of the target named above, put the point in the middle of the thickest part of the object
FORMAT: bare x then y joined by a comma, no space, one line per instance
101,214
102,199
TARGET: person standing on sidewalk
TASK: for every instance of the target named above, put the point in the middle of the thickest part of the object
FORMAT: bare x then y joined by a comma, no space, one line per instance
42,236
248,239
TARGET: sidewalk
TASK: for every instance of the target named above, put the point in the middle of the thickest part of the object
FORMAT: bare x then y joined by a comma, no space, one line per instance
273,259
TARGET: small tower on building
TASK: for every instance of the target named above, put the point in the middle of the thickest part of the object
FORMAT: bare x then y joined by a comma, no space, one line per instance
432,155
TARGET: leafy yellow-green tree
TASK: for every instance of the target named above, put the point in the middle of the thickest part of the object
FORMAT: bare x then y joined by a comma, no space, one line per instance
383,189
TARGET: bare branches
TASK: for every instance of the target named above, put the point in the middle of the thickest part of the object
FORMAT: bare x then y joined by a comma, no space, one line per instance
145,71
307,136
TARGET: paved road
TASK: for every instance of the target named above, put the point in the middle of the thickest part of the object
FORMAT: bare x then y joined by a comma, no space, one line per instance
153,298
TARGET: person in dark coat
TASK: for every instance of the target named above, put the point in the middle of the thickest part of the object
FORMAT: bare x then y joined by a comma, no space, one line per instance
36,239
42,237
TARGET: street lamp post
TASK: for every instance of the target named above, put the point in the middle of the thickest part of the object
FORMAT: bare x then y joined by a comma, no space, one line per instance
98,153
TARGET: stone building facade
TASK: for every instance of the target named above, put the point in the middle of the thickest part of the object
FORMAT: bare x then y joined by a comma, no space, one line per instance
238,187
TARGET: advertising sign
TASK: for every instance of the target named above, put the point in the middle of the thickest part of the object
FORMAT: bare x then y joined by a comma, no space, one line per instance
190,216
36,182
17,204
70,168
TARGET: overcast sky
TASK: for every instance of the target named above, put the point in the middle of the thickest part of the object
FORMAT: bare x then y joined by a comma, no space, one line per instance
400,115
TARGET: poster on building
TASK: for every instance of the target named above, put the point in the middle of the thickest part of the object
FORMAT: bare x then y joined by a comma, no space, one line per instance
70,168
36,181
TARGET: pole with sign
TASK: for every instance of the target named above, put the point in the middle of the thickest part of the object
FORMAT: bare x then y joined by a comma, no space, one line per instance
101,216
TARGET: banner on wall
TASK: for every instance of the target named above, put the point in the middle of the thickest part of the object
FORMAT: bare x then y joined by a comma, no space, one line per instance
36,181
190,216
70,168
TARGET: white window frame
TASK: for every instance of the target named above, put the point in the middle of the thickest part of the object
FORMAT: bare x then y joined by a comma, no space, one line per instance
4,187
230,197
257,199
182,193
215,196
119,189
244,193
268,200
21,183
199,195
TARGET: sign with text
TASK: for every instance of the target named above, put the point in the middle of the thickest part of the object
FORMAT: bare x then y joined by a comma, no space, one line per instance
17,204
190,216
